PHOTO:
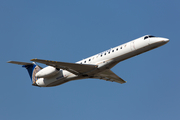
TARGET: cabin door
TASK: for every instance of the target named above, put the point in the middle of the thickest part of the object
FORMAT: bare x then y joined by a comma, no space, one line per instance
132,46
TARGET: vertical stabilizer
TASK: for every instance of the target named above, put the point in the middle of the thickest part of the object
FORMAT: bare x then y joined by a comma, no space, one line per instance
32,70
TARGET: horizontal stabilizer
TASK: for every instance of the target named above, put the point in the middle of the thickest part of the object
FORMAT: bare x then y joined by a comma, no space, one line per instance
20,63
32,69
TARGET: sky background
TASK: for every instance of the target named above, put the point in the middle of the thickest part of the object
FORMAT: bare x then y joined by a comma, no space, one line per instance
71,30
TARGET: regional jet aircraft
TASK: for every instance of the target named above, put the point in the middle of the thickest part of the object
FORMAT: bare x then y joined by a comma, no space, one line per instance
97,66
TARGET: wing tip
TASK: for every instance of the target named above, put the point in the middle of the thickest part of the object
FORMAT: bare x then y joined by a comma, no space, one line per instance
124,82
9,61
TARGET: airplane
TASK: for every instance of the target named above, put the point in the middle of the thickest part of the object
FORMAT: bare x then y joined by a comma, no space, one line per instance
97,66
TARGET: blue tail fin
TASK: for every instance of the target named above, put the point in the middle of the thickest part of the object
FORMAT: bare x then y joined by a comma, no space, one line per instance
32,69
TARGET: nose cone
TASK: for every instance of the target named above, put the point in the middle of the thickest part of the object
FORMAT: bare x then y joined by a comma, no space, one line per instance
159,40
165,40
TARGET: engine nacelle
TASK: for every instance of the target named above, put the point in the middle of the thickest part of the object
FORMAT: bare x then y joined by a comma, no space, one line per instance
47,72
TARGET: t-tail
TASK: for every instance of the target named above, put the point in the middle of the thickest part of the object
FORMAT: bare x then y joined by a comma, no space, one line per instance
32,69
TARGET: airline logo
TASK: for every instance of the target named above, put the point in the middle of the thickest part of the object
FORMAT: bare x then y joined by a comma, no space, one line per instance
34,78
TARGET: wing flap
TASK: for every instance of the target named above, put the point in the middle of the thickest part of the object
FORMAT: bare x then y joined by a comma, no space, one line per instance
71,67
108,75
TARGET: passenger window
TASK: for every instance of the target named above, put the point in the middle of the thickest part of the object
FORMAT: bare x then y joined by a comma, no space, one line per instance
117,49
101,55
109,52
112,50
89,59
104,53
121,48
84,61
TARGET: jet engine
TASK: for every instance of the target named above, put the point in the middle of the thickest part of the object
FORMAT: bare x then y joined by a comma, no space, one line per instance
47,72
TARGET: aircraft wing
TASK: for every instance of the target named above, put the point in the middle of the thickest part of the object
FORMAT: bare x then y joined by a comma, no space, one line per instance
108,75
71,67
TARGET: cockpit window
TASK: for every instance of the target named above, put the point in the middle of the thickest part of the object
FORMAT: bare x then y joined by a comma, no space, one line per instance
148,36
145,37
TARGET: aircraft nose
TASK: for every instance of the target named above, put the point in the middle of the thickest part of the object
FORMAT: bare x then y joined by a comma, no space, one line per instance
159,40
166,40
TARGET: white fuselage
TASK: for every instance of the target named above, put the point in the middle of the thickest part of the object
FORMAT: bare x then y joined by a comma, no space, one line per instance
105,60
